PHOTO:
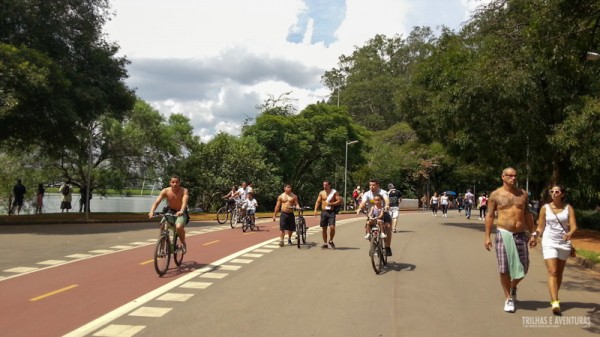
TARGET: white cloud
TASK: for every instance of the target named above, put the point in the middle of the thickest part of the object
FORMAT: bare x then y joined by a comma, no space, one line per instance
214,61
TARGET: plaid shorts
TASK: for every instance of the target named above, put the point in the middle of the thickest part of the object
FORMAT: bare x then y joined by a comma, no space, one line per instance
521,242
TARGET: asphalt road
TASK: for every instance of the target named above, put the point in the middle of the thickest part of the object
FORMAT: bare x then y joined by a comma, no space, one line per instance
440,281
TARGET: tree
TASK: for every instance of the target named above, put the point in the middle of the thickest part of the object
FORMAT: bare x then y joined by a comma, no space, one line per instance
483,98
59,75
306,148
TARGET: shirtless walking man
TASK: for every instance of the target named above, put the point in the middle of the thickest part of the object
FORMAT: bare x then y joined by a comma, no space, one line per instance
177,201
327,200
286,202
513,226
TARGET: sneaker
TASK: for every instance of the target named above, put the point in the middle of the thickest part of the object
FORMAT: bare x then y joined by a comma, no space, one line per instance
509,305
394,230
184,248
332,244
388,251
290,242
383,236
555,307
368,236
281,243
325,246
513,294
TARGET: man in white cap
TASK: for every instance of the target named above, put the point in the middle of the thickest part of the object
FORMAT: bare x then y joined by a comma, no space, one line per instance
395,200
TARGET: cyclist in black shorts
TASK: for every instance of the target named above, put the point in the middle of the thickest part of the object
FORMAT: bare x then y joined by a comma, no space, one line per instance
369,198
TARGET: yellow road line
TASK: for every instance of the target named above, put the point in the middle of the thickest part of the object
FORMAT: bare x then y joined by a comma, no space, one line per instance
53,293
210,243
146,262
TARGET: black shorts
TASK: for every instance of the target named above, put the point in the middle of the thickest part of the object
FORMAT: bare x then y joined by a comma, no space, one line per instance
287,221
387,218
18,202
327,218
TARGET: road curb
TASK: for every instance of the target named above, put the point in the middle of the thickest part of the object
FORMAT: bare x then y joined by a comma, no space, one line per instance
586,263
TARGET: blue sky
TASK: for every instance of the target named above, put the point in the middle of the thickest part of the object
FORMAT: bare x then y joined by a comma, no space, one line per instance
215,61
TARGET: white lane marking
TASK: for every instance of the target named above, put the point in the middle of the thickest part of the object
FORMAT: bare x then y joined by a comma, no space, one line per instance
175,297
245,261
52,262
196,285
121,247
115,330
79,256
138,243
150,312
253,255
21,270
101,251
213,275
228,267
263,250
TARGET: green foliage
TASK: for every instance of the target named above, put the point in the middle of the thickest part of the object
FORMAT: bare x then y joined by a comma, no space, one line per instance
58,74
307,148
588,219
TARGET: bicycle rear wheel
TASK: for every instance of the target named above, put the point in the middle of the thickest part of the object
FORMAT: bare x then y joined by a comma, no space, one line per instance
302,229
162,255
177,251
375,252
222,215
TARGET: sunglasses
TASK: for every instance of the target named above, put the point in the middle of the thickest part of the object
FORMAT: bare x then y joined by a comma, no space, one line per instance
555,192
510,175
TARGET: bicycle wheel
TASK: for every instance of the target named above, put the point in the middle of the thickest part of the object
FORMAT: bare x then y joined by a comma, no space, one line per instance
384,256
177,251
161,255
222,215
303,229
246,223
375,252
234,218
298,232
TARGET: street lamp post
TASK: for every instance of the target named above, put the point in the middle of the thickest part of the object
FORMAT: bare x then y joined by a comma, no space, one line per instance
346,171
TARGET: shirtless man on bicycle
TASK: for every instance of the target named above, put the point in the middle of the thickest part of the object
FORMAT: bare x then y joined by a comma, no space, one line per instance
286,202
177,201
369,197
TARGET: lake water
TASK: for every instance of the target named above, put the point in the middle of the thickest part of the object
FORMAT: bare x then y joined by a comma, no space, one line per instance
97,204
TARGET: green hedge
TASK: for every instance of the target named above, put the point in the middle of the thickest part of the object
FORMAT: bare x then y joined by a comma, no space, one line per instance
588,219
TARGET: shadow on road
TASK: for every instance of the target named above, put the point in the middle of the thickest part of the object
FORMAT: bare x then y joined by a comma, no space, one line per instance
468,225
396,266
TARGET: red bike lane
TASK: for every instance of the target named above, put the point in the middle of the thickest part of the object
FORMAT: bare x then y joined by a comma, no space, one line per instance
55,301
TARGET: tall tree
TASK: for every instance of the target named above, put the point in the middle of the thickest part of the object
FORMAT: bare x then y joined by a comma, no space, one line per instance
58,73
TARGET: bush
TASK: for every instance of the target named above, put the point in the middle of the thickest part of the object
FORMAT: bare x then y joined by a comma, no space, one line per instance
588,219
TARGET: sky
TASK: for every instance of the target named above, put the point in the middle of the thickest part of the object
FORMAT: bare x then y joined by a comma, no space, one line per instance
216,61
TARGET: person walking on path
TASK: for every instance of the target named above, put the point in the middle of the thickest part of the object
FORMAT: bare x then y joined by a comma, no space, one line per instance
18,193
460,203
177,202
482,206
556,225
67,195
469,202
39,200
395,201
286,202
83,205
444,201
434,202
328,199
513,225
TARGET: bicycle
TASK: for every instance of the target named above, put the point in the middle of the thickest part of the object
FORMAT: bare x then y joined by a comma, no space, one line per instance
247,222
301,226
226,212
377,246
237,214
167,244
